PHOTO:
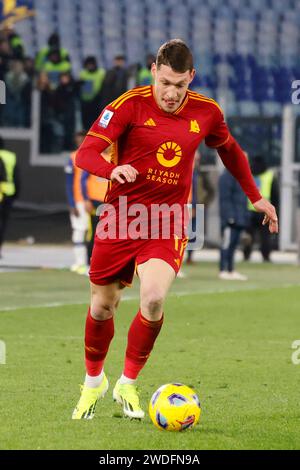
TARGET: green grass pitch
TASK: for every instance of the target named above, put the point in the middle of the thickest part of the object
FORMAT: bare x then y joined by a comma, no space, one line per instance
230,340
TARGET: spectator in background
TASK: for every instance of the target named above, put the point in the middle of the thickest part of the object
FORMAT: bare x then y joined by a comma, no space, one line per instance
57,105
18,93
46,134
5,57
54,66
15,42
144,76
30,71
202,192
53,44
234,219
17,45
115,82
267,183
91,81
78,216
65,107
49,141
2,179
9,188
94,190
29,67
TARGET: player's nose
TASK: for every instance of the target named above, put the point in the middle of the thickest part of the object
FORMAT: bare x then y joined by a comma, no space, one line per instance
171,96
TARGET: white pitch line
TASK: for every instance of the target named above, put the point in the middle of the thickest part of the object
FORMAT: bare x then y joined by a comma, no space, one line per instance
136,297
53,305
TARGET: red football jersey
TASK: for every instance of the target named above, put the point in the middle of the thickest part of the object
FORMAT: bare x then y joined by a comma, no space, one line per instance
160,145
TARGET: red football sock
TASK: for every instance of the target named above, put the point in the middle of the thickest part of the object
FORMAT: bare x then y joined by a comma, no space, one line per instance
98,335
141,338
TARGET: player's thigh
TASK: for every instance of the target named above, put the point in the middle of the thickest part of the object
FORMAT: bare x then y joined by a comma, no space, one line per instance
156,277
105,299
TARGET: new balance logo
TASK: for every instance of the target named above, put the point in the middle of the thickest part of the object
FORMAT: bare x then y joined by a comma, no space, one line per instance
150,122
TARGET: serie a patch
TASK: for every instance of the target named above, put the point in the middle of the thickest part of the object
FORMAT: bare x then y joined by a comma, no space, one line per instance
105,118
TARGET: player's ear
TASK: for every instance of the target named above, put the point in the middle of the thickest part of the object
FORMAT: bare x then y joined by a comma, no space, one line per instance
153,70
192,75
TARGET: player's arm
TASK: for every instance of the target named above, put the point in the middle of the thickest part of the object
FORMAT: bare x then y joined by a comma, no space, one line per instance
110,125
236,162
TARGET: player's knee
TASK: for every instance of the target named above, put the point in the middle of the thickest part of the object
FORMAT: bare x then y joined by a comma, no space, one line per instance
152,301
101,310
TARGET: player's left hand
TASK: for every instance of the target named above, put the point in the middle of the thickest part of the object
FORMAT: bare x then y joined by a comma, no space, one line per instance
270,214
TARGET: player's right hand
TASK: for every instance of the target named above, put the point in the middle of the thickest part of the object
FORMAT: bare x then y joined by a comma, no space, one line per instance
270,218
124,173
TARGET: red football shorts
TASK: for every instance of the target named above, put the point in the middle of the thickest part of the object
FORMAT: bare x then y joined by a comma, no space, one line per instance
117,259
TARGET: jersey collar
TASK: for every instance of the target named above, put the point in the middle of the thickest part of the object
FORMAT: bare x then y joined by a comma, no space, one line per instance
183,104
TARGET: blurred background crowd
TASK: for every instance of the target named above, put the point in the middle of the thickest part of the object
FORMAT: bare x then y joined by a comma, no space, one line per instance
63,61
81,54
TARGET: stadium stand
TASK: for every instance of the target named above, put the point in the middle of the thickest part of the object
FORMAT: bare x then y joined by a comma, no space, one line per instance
246,55
223,36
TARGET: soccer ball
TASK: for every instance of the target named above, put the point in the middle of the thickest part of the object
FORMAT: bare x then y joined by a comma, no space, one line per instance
174,407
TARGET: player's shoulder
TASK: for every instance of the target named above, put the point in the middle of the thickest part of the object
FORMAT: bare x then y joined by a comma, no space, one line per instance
136,94
198,100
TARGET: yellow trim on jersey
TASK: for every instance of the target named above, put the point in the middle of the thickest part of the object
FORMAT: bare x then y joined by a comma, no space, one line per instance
182,105
198,97
133,90
94,134
223,143
115,153
130,96
141,91
114,157
204,98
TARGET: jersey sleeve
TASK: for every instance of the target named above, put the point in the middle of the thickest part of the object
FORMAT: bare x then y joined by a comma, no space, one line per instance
219,133
113,121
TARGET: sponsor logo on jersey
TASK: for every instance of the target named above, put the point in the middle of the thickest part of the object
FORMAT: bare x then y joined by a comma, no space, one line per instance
169,154
105,118
149,122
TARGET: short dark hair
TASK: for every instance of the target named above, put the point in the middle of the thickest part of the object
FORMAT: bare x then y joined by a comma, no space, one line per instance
176,54
54,40
91,59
